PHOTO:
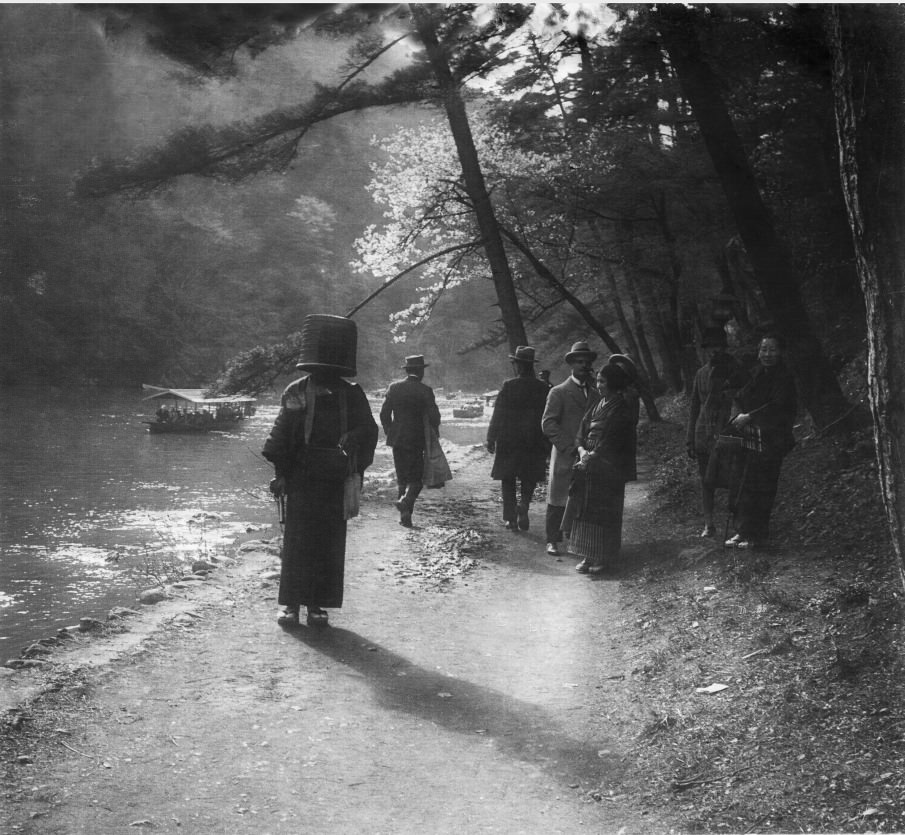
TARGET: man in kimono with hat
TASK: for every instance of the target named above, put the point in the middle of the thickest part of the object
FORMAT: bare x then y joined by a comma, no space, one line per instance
321,414
566,405
409,403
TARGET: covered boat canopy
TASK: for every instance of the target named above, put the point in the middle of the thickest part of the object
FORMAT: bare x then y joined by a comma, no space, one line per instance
194,396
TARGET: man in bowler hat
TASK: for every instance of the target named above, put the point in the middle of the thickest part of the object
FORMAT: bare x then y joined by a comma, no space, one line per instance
566,405
516,439
408,402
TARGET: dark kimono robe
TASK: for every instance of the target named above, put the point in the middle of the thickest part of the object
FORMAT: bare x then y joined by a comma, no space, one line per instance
597,495
314,539
771,399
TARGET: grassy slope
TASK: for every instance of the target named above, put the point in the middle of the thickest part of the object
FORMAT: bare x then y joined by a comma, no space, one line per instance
809,735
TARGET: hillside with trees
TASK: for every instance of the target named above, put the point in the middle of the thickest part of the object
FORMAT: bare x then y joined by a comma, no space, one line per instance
628,174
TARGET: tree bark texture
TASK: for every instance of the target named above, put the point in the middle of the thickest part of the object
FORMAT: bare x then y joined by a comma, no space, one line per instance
769,255
475,185
644,349
869,89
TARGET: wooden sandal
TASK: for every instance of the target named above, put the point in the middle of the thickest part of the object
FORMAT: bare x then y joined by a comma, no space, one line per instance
289,616
317,617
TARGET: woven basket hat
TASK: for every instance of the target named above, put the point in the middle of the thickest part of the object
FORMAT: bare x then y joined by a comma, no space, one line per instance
329,343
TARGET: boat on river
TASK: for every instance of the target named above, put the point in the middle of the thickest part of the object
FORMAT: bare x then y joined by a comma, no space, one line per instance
188,411
469,410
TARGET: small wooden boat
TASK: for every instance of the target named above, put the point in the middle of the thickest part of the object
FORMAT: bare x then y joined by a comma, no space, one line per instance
469,410
188,411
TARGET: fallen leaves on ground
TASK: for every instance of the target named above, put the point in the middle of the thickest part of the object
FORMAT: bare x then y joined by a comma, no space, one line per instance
808,636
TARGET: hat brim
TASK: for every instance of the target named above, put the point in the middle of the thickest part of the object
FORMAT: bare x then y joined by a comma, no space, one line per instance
342,370
424,365
591,355
514,358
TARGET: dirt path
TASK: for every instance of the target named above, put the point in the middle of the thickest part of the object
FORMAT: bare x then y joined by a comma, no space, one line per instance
471,683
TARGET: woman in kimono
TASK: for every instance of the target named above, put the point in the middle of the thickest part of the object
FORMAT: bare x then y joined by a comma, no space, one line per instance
765,416
606,450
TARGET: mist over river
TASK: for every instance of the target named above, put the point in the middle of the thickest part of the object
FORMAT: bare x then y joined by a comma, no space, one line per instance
92,504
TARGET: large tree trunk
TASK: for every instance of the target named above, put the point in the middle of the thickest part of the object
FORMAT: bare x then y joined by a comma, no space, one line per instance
473,176
653,306
644,350
776,275
869,88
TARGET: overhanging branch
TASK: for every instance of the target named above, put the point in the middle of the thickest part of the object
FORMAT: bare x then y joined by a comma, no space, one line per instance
407,270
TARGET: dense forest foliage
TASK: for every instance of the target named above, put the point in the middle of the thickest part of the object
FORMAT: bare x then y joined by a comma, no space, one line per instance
182,183
615,223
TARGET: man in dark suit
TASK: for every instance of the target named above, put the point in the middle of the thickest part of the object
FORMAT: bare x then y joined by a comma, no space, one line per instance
408,404
566,405
516,438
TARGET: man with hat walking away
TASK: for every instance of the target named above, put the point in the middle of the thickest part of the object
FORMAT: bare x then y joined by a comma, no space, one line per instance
516,438
408,406
323,433
566,405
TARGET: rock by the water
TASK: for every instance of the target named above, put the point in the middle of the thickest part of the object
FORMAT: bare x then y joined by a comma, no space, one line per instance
202,565
23,663
151,596
35,650
118,612
260,545
90,624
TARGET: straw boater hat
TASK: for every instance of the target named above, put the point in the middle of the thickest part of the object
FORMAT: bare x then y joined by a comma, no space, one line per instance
523,353
581,349
416,361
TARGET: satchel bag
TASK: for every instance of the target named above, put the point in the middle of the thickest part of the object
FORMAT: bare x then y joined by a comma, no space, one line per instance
352,494
436,468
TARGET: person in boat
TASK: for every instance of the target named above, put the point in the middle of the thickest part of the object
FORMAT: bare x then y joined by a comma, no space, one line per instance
606,460
408,405
323,433
566,405
516,439
163,413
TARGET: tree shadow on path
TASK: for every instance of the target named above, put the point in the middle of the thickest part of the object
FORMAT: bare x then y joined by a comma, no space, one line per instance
519,729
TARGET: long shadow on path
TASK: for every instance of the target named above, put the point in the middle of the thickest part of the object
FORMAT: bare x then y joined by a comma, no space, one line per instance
520,729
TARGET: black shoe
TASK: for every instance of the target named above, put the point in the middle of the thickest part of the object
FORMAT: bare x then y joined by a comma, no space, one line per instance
511,526
523,520
583,567
552,549
406,519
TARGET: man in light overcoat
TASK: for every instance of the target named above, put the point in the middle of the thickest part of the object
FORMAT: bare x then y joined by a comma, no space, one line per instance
566,405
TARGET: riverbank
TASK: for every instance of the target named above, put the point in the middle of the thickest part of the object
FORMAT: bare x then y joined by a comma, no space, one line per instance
473,684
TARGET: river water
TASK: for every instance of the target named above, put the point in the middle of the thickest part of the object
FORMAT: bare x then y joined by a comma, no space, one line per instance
93,507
